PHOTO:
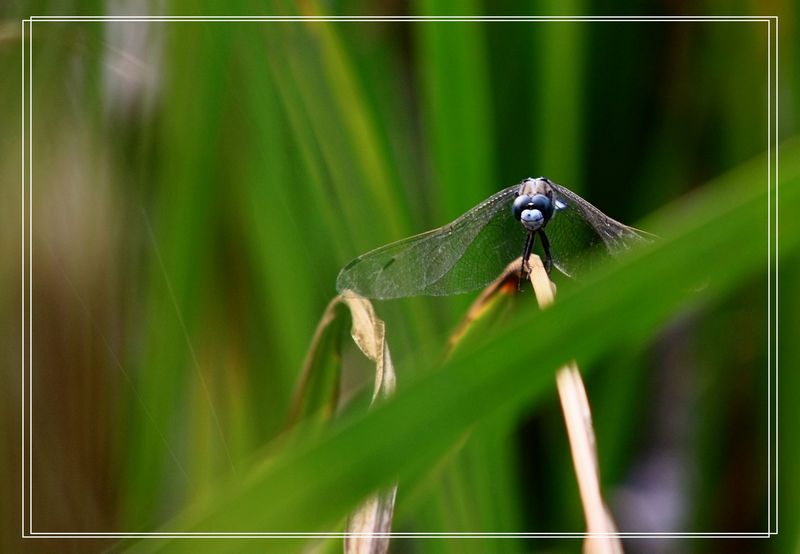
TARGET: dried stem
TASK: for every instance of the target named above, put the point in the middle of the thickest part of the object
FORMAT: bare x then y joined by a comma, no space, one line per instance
578,419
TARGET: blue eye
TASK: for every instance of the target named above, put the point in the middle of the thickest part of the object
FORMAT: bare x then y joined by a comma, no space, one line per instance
521,203
542,203
532,211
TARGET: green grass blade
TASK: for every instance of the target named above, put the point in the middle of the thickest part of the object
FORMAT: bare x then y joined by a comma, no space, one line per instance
457,110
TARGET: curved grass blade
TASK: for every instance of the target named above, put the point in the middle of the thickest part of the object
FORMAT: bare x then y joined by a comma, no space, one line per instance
318,393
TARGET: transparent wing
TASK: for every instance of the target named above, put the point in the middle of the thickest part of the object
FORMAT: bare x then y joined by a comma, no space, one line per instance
581,235
460,257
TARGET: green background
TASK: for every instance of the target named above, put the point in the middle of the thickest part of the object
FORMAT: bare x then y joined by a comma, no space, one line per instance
196,187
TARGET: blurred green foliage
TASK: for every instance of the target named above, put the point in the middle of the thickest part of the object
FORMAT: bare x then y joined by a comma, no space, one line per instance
198,185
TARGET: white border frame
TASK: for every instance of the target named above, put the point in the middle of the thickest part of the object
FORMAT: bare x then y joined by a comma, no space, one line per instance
27,389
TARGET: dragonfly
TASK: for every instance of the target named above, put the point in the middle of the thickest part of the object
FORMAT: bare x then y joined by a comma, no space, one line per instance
471,252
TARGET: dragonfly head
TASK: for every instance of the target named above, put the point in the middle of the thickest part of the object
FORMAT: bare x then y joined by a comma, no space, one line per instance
533,211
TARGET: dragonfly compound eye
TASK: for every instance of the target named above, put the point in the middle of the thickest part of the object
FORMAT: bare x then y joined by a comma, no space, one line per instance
521,203
532,211
543,204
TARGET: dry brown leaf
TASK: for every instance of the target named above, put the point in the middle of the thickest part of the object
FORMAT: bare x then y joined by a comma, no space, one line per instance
506,283
369,334
368,526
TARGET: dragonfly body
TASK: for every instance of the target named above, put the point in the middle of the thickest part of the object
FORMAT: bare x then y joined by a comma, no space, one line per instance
470,252
534,207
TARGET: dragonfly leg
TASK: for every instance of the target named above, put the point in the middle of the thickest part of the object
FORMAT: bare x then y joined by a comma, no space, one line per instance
526,254
548,259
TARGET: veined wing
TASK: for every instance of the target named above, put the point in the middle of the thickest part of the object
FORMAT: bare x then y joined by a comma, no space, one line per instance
581,235
460,257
